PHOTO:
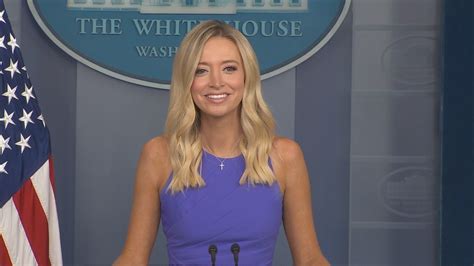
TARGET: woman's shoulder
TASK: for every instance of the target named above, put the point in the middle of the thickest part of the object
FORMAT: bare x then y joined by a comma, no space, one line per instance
285,154
286,150
155,158
157,146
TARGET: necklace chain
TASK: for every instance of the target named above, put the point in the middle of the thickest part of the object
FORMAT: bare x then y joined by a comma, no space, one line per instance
221,162
221,165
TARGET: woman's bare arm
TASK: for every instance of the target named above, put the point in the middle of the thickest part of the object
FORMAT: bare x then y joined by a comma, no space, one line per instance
298,215
153,168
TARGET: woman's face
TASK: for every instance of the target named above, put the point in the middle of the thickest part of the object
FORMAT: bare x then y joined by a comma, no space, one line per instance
218,84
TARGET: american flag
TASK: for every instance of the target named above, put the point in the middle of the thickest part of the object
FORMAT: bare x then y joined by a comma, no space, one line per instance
29,230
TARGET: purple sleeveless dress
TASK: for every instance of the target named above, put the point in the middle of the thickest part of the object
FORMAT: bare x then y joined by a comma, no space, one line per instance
222,213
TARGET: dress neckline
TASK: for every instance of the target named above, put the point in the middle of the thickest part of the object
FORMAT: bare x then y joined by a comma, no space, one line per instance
205,152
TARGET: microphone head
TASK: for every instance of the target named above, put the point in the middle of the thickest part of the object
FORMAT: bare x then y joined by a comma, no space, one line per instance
212,249
235,248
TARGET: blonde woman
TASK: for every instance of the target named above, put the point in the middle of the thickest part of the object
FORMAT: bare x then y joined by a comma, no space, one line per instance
219,180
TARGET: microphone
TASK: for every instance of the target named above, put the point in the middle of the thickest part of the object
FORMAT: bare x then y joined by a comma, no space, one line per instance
235,249
213,252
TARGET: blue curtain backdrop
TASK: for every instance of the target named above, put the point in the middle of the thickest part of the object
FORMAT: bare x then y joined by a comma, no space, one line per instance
457,234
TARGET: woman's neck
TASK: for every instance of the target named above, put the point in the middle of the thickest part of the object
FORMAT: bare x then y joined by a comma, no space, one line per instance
221,137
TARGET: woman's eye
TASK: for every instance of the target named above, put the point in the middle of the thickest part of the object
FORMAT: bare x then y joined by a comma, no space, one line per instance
230,68
200,71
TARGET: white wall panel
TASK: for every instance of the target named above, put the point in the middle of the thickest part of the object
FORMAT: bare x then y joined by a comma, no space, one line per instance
395,138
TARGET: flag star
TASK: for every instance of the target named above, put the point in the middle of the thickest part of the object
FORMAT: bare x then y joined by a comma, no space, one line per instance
7,118
42,120
23,143
4,144
2,168
28,93
1,16
13,43
2,42
10,93
26,72
26,118
13,68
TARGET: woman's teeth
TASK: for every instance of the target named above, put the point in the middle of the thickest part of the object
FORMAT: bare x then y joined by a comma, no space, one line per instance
216,96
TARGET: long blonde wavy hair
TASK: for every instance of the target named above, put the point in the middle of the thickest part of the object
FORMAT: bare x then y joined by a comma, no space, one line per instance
183,120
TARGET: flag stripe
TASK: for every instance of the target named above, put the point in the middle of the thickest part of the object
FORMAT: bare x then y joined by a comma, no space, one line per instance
55,253
4,257
14,236
34,221
43,188
40,181
51,174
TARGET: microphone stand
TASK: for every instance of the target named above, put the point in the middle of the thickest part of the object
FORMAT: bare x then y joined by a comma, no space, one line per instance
235,249
213,252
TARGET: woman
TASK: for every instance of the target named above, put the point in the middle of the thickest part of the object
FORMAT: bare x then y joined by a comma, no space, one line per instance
219,177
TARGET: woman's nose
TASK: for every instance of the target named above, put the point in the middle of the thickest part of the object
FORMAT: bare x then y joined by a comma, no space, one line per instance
216,79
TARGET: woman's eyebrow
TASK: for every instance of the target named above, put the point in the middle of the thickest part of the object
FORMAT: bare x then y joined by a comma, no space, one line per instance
230,61
223,62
